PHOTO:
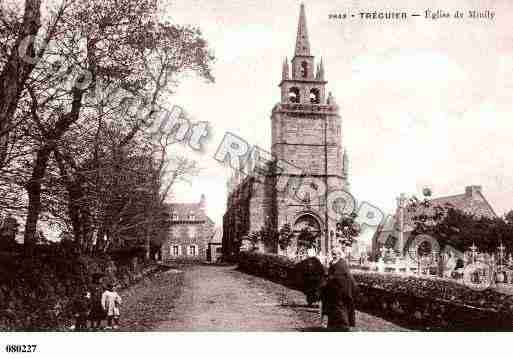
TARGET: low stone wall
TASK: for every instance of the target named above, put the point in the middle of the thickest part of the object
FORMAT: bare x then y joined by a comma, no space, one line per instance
430,313
38,293
415,302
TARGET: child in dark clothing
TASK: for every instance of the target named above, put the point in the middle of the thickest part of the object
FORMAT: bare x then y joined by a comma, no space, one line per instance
97,313
82,307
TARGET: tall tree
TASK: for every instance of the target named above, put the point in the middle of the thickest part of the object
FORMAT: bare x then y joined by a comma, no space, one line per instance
21,58
449,225
347,229
108,61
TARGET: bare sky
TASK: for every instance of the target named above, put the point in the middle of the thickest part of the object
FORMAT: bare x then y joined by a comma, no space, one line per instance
423,102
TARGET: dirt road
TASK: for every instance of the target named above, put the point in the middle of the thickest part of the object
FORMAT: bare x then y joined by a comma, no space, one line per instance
223,299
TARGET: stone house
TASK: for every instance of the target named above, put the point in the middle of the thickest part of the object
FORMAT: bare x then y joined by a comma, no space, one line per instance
190,232
472,201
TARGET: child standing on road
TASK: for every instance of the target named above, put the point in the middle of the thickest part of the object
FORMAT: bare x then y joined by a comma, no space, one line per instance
81,308
97,314
111,301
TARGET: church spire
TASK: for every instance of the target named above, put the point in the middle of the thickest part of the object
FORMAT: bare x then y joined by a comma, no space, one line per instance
302,42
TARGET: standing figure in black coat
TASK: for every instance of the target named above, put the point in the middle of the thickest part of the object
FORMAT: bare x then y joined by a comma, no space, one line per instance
339,294
311,278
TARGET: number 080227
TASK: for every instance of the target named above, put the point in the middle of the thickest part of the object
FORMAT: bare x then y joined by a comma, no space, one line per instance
21,348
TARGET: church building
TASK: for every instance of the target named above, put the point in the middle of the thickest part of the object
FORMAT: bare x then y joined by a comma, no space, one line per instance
306,135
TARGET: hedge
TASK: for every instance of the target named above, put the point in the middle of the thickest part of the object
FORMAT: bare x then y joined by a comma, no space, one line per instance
271,266
432,303
416,302
37,293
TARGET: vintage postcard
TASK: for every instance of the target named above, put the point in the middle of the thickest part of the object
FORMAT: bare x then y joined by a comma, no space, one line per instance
255,166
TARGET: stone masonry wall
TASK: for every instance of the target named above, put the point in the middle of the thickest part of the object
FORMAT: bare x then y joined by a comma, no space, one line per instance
180,236
292,133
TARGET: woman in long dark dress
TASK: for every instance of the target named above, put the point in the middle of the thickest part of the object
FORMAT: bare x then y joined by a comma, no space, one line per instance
339,294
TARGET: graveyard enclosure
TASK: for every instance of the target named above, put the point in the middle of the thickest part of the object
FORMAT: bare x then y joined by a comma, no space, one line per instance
417,302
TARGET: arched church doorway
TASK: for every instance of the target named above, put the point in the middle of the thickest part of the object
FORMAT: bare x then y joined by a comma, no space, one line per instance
307,233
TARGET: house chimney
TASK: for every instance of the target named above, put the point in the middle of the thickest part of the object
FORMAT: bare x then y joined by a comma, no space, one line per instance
472,191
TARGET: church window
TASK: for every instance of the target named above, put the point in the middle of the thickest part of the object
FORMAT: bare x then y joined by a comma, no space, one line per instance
304,69
294,95
315,96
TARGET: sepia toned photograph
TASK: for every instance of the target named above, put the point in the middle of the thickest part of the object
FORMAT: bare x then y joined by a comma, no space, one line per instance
255,166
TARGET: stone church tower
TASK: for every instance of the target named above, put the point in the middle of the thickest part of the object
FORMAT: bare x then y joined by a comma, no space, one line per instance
306,133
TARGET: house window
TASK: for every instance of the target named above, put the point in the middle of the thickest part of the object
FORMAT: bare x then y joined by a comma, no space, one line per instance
191,216
175,251
192,231
174,216
192,250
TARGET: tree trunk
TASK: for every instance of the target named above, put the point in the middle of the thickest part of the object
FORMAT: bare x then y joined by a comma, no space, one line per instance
147,241
74,213
78,207
71,188
100,240
87,230
16,72
33,188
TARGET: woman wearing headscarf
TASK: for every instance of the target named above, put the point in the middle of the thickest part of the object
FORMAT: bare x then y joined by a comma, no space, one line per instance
339,294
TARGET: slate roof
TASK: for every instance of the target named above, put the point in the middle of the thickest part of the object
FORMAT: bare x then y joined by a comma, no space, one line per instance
472,201
184,211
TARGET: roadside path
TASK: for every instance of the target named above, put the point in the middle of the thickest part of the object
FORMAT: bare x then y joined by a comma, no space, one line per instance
217,298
